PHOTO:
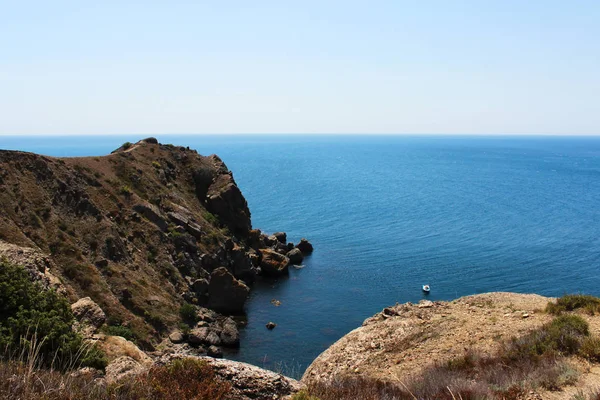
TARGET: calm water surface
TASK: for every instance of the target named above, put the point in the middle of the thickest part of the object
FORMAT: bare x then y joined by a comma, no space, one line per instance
387,214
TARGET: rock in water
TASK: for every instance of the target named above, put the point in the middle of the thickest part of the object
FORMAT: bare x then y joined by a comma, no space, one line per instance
281,237
271,325
273,263
305,246
225,293
295,256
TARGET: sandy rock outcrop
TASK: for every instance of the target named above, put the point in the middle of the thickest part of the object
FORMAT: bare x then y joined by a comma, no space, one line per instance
403,339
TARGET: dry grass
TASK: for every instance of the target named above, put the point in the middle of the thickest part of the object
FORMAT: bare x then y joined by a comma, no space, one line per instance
534,361
183,379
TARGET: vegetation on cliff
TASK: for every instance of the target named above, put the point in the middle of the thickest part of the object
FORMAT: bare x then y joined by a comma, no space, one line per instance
37,323
143,232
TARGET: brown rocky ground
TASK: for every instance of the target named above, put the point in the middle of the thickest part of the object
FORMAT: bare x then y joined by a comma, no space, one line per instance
402,340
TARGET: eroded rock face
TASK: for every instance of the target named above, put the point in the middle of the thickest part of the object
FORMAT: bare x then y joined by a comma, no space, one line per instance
225,293
273,263
225,200
153,214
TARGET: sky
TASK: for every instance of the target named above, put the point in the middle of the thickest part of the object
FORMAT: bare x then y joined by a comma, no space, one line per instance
381,66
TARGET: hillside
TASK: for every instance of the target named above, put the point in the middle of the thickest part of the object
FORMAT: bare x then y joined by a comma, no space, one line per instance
142,232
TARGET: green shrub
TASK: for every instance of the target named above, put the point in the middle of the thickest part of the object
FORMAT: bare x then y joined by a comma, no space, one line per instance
564,334
572,302
590,349
126,145
188,313
34,318
210,218
120,330
303,395
156,164
126,191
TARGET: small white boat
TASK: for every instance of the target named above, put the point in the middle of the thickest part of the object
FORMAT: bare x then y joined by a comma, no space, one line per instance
426,288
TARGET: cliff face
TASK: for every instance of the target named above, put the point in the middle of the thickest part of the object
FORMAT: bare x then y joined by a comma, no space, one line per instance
139,231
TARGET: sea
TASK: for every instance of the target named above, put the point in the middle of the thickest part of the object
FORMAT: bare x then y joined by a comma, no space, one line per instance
387,214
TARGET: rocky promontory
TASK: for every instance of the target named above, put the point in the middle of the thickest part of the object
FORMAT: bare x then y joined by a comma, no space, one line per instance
145,232
403,341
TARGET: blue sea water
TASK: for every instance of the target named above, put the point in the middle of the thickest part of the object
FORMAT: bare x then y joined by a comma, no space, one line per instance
387,214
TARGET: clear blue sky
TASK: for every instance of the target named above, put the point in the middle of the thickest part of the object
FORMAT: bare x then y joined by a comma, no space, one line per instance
489,67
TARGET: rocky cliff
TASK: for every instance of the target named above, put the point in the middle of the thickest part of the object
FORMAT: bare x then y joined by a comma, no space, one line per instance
141,232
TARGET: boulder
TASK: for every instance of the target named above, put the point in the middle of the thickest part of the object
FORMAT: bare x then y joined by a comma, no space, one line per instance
295,256
152,214
197,336
225,293
280,248
281,237
214,351
122,368
255,239
273,263
241,264
176,337
200,287
87,312
204,335
230,336
117,346
305,246
270,240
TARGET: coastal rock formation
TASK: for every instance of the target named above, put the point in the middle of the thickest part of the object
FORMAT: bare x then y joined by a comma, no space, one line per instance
139,232
402,340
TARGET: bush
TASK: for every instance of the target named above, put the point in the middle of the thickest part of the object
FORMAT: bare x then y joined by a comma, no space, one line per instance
188,313
120,330
126,191
183,379
186,379
39,320
572,302
126,145
156,164
564,334
590,349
